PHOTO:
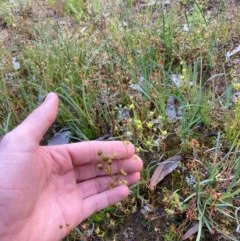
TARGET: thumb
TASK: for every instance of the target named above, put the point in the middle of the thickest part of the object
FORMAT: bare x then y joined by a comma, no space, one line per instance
38,122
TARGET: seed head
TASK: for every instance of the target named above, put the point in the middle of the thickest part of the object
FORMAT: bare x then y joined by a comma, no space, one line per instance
131,107
149,125
151,113
115,155
164,133
100,166
123,182
105,158
148,143
122,172
100,152
109,162
138,149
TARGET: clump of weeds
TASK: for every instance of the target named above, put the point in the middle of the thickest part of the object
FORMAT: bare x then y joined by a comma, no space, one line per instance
153,73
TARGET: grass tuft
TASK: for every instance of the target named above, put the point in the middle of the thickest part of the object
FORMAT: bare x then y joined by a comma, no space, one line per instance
152,73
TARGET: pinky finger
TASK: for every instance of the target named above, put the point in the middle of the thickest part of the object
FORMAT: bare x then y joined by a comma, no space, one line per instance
102,200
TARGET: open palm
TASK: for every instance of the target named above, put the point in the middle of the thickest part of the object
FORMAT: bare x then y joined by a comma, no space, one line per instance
47,191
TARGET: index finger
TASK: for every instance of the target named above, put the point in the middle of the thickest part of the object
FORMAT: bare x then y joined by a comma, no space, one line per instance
95,151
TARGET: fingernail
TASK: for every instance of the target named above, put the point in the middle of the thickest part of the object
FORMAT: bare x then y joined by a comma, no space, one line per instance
49,97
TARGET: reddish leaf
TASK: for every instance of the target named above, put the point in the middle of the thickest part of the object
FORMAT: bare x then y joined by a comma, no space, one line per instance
190,232
163,169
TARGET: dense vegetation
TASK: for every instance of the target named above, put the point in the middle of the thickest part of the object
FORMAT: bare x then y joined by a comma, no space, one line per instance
156,73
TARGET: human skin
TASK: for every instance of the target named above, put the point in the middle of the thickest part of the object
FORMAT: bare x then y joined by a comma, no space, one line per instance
45,191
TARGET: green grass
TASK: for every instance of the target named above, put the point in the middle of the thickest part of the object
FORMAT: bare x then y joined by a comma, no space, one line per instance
111,66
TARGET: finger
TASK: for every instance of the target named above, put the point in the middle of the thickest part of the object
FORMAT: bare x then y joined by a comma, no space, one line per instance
102,200
101,184
38,122
89,151
88,171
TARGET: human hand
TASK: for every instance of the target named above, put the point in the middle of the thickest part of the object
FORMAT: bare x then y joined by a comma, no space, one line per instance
45,191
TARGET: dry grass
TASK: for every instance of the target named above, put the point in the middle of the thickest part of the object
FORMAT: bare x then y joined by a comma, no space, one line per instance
112,66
